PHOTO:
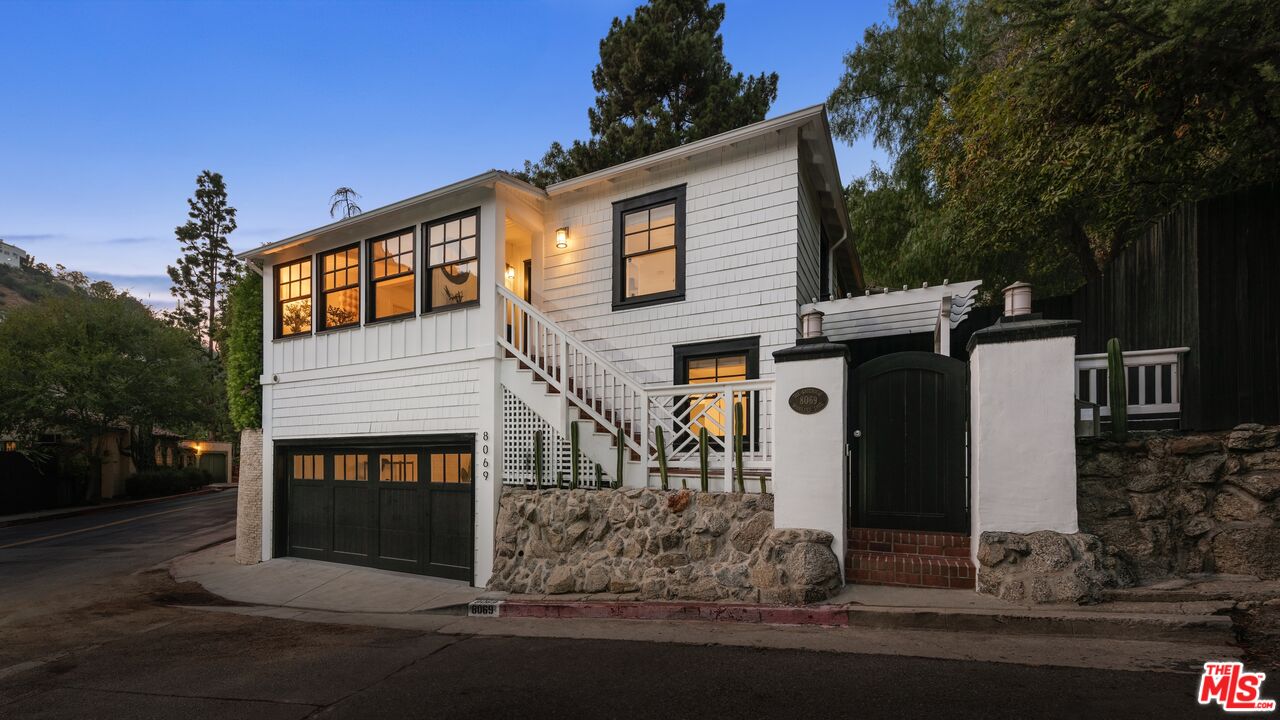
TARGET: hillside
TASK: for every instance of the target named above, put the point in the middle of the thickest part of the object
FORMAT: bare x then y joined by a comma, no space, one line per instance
23,286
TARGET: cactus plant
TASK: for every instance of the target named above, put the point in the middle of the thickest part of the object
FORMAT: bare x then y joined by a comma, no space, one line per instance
622,448
662,459
573,456
737,447
764,487
599,476
537,458
1117,391
703,457
559,479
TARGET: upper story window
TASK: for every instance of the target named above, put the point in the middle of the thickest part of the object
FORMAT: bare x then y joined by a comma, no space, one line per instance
391,276
293,298
340,288
648,248
453,267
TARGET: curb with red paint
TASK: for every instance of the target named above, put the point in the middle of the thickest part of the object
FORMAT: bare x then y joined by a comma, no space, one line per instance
828,615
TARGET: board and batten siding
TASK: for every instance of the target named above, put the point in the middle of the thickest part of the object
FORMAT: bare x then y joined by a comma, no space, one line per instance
741,208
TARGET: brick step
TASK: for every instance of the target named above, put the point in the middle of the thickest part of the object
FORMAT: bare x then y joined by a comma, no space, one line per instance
882,568
909,542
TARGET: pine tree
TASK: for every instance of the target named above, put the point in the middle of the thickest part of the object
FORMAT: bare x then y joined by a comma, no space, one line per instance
343,201
207,265
662,81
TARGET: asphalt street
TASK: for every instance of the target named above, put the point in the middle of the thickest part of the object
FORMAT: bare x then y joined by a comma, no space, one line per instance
88,630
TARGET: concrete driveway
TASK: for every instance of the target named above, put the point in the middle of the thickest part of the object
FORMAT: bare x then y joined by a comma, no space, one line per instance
316,585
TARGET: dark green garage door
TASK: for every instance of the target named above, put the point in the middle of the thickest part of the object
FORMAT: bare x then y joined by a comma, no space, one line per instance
407,509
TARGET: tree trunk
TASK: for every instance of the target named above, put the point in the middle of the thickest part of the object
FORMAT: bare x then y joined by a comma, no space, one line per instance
1083,250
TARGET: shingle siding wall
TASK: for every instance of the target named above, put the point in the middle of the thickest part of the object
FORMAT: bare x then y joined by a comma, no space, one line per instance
809,278
406,401
740,261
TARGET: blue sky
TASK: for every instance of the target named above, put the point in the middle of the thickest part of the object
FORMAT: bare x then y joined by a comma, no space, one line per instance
109,110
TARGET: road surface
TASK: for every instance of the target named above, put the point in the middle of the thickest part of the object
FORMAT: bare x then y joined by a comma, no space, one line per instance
88,630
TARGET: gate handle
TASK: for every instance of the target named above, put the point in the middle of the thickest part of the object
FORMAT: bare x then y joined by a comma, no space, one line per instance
857,433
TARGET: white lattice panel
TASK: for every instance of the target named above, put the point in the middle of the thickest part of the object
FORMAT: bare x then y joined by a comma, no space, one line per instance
519,426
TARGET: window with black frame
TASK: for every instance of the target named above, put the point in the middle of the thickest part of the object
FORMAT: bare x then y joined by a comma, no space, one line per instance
340,288
649,248
453,265
391,276
293,298
717,362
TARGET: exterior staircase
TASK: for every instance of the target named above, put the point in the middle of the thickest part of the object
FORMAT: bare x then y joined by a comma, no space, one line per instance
909,558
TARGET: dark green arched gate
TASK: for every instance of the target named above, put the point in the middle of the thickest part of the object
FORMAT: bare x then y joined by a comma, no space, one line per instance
909,443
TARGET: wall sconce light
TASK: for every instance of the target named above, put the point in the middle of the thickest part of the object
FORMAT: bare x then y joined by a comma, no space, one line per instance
562,238
511,273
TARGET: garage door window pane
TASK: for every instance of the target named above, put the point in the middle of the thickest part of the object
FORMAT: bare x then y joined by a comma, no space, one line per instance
351,467
308,467
398,468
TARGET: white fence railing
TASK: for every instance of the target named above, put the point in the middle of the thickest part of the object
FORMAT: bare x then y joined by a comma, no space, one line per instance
604,393
1152,379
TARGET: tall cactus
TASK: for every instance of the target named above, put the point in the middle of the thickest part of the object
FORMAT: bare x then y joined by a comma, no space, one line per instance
737,447
662,459
599,476
1117,391
704,457
537,459
622,448
573,457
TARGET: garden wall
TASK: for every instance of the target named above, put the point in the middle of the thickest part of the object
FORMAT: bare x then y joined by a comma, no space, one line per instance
1175,504
660,545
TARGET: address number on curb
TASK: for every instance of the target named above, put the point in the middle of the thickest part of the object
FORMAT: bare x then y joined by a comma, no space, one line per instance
808,400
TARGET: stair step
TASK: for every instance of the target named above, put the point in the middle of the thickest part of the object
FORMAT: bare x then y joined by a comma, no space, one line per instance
909,542
883,568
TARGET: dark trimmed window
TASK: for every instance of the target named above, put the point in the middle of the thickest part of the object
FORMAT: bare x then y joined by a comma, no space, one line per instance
453,261
340,288
648,248
391,276
712,362
293,298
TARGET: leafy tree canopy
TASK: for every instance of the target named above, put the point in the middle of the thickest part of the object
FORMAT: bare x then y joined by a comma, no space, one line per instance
242,357
1033,139
662,81
85,363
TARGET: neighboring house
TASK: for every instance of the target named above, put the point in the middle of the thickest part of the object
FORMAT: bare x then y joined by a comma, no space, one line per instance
420,355
12,255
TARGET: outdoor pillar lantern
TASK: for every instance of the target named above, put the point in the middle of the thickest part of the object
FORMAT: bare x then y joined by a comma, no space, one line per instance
1017,299
811,324
562,237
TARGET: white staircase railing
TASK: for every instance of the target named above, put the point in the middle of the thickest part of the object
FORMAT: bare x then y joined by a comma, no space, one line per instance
1152,377
601,391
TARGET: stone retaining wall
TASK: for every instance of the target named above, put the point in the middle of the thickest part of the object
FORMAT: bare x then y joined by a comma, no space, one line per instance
249,499
1175,504
1048,567
660,545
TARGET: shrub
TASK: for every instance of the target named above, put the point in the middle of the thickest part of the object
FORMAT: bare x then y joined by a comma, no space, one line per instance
167,481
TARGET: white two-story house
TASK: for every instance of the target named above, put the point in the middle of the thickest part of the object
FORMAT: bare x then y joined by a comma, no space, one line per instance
421,355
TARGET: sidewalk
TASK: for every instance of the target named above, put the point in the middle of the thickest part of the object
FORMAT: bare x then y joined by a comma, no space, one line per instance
66,512
312,585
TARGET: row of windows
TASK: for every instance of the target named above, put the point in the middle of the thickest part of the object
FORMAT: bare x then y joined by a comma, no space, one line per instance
451,278
448,468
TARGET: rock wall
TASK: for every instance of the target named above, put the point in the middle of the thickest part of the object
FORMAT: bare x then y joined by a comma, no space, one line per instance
1174,504
249,499
660,545
1046,566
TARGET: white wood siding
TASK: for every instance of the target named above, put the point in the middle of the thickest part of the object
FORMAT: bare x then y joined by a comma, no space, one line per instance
809,279
408,401
740,260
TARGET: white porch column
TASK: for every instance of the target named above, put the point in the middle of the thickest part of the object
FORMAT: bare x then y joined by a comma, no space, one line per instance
1022,429
809,486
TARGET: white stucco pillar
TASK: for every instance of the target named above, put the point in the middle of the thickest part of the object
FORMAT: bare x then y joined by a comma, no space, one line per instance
809,452
1022,429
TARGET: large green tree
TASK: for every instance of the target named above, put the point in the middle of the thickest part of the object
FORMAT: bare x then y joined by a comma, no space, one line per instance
242,357
207,264
662,81
93,361
1034,139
